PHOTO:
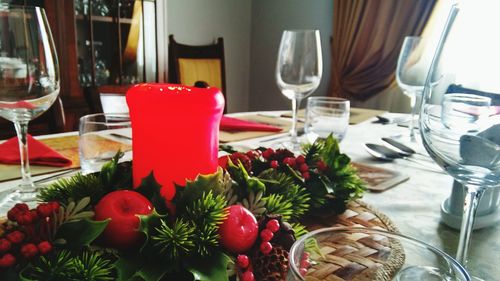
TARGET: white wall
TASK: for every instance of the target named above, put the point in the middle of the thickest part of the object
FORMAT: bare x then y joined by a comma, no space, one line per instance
252,32
269,19
199,22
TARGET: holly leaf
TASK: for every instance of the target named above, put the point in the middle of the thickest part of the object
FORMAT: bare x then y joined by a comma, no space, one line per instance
127,266
202,184
214,268
147,223
153,271
150,188
80,233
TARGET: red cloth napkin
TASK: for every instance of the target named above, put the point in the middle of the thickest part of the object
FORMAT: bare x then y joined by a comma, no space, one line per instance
234,124
39,153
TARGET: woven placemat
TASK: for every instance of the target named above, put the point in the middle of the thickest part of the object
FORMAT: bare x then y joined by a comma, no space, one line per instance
356,256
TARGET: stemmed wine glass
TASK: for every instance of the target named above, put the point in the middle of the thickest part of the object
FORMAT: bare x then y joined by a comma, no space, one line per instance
29,79
298,71
459,128
411,72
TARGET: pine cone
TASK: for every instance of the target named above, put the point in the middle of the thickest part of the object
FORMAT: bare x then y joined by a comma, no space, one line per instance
270,267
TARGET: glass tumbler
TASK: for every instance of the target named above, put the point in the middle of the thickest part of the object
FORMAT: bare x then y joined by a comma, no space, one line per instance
101,137
325,116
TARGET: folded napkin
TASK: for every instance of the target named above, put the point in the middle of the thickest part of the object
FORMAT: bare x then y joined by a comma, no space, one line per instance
39,153
234,124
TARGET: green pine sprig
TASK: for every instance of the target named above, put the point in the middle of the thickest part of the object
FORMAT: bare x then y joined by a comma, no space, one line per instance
73,189
206,240
176,241
277,205
299,230
64,266
208,210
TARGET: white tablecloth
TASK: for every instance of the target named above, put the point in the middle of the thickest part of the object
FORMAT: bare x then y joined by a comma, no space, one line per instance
414,206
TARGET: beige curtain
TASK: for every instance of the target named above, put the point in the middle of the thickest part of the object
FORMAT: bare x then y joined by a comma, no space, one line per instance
367,36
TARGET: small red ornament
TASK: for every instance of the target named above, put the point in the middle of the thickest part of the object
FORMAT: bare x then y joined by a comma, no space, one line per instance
29,250
268,153
4,245
247,276
274,164
303,168
24,218
243,261
266,235
55,206
44,210
321,165
44,247
300,159
303,271
266,247
273,225
7,260
239,230
15,237
306,175
21,207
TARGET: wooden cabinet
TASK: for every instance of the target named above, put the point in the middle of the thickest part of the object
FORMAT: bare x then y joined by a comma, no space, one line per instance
102,44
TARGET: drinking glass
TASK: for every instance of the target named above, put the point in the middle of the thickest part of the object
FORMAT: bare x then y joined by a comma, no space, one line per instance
29,79
459,129
370,254
325,116
298,71
411,72
102,135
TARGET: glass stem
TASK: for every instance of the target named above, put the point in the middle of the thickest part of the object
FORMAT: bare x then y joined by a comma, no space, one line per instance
412,117
22,134
295,113
472,197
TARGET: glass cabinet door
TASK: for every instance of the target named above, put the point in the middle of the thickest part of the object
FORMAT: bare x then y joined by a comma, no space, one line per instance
116,41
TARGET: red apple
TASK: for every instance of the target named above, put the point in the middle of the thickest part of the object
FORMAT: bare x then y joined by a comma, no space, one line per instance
239,230
122,207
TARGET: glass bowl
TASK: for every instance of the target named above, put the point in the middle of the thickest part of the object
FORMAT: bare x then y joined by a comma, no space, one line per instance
353,253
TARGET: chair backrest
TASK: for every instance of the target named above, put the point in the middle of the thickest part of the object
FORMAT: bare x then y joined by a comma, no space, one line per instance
107,99
191,64
50,122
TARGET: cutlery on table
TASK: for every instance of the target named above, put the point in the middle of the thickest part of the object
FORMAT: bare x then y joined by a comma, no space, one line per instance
402,148
386,154
386,120
58,175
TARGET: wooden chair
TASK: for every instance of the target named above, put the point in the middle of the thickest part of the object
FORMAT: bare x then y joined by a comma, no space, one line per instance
95,96
190,64
50,122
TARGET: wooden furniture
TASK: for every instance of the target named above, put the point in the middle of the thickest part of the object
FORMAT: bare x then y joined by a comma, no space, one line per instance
101,44
190,64
51,122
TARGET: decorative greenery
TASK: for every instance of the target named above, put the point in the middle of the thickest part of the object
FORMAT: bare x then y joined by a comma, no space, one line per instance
176,241
74,188
64,266
182,239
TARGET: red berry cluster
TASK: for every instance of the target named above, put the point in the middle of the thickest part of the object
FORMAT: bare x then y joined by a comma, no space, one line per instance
237,157
304,263
298,163
267,234
24,238
243,263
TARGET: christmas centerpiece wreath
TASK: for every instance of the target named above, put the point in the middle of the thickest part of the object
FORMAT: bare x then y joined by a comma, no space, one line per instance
239,222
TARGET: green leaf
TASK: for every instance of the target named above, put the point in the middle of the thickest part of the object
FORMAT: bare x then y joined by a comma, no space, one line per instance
150,188
195,189
127,266
80,233
214,268
148,223
153,271
109,170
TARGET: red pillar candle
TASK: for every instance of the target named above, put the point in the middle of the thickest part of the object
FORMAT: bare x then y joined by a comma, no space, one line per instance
175,132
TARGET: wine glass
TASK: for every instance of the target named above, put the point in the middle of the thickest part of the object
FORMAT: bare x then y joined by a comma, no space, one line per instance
411,72
298,71
29,79
459,128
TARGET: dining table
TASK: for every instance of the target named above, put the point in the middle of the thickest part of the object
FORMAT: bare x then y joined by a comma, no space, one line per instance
412,205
